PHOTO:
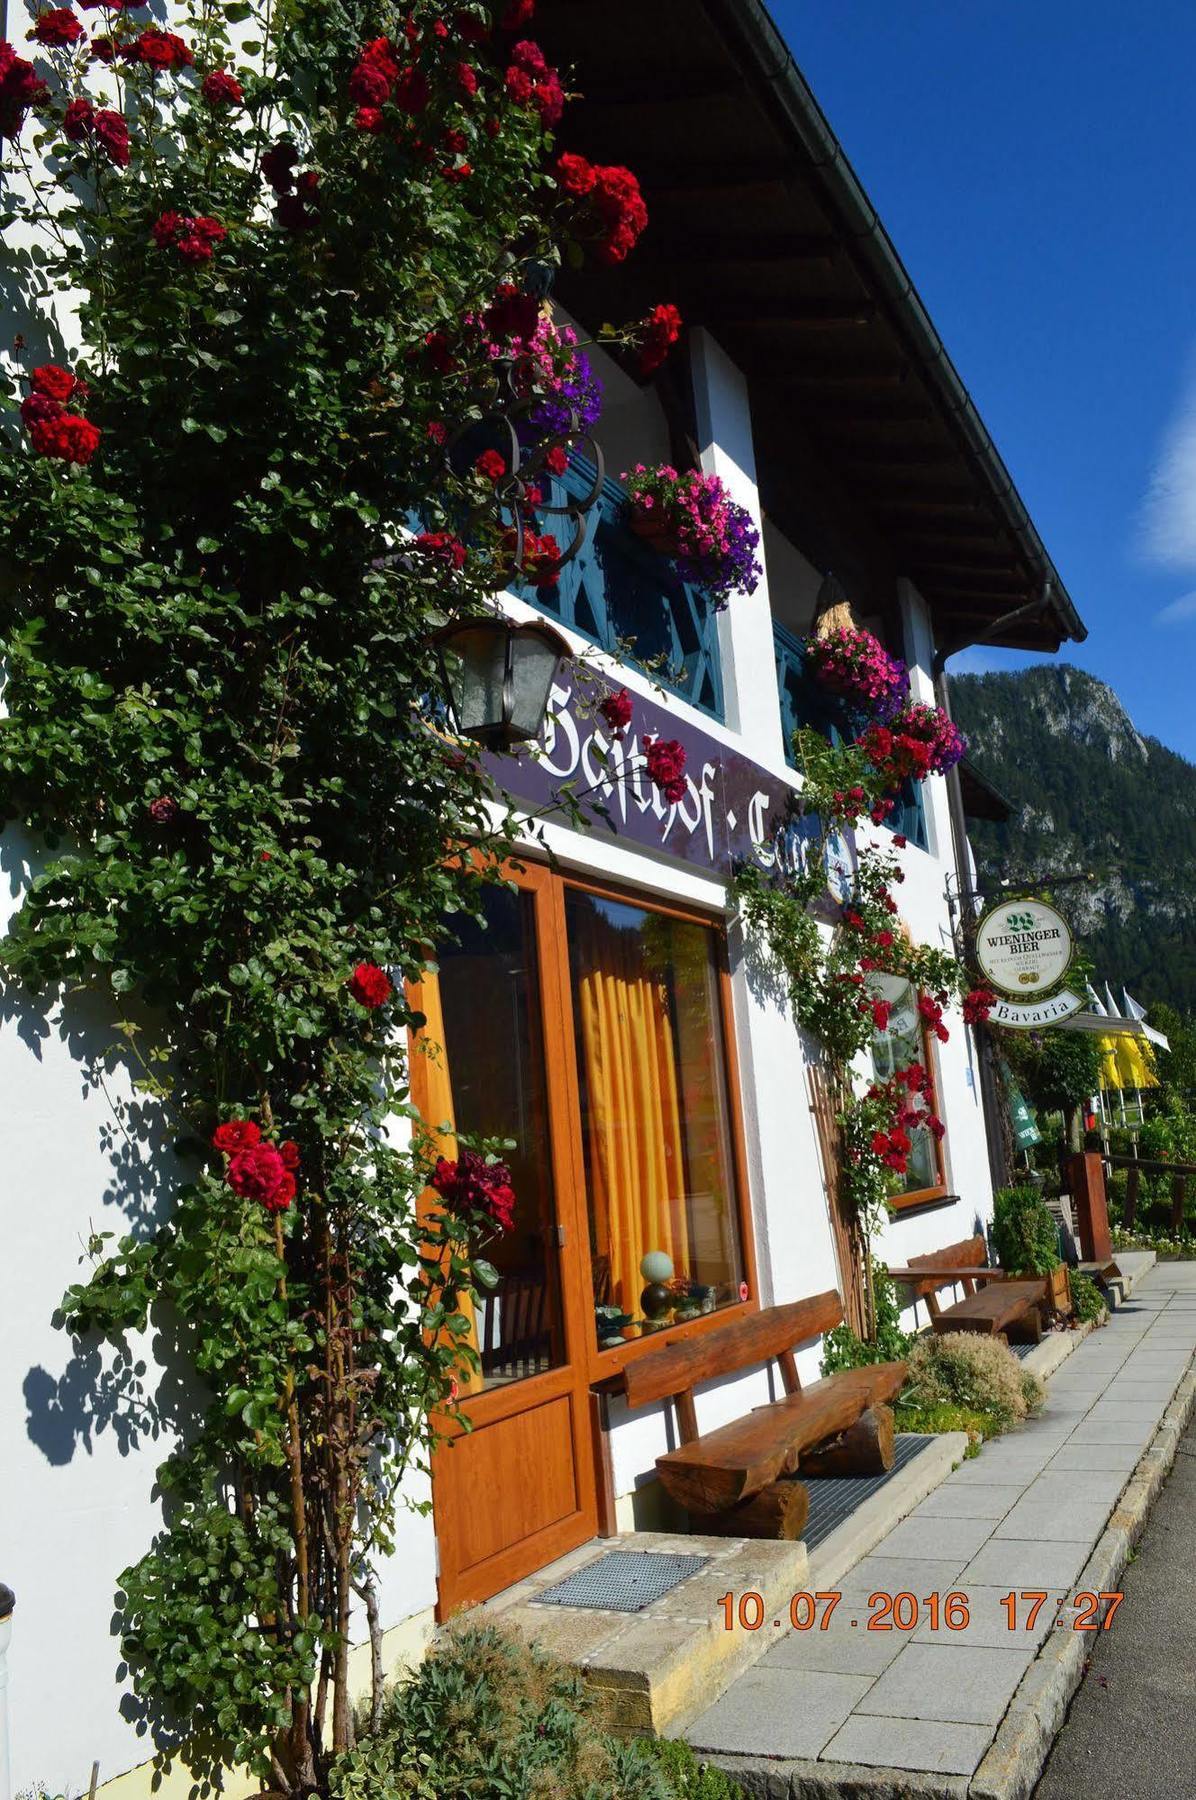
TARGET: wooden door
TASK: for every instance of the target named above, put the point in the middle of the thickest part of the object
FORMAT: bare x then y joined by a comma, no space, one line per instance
518,1488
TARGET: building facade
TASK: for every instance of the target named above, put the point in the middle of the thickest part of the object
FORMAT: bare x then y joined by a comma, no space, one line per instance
612,1020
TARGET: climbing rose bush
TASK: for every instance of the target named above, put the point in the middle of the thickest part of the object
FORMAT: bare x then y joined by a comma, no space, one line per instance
289,236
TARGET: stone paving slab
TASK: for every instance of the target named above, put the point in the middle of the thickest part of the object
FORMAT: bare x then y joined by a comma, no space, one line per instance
1054,1506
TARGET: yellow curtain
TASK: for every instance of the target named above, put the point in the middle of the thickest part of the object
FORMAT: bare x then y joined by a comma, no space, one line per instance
438,1115
634,1130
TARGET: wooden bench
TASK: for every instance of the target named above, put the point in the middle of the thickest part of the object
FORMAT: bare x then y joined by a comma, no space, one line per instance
993,1304
738,1479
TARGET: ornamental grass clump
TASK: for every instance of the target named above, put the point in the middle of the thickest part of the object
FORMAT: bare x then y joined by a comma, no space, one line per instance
980,1375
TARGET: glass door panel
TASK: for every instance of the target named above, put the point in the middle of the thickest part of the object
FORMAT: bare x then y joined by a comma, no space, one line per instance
494,1056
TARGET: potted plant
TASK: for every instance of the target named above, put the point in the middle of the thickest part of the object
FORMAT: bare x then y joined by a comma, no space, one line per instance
693,520
855,664
1026,1239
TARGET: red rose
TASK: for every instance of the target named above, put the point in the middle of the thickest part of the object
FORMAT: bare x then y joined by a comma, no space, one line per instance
236,1134
490,465
557,460
112,131
297,211
467,80
193,239
370,986
368,118
436,348
899,842
881,1011
665,761
67,438
443,546
55,383
278,166
471,1184
368,85
20,88
516,14
660,329
289,1152
436,432
57,28
76,121
616,710
258,1173
462,172
164,811
158,50
412,93
222,89
103,49
977,1005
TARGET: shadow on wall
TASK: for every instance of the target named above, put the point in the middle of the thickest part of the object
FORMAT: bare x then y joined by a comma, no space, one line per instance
145,1396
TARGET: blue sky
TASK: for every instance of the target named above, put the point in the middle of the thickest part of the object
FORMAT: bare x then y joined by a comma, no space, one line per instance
1035,164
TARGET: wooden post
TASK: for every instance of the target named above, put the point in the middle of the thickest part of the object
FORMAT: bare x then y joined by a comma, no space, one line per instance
1179,1193
779,1510
1086,1180
866,1448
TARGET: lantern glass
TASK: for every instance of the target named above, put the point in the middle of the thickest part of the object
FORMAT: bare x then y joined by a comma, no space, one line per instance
498,676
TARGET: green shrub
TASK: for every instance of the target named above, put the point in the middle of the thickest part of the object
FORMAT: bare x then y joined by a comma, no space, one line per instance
1024,1234
488,1717
979,1374
1086,1298
842,1349
945,1417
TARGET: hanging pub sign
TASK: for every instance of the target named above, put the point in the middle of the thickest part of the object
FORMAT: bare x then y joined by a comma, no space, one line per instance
1024,949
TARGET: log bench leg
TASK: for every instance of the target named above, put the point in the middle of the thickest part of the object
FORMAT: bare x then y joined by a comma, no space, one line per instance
1027,1329
777,1511
866,1448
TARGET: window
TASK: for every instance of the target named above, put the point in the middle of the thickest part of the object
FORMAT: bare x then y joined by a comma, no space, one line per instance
655,1118
590,1031
904,1041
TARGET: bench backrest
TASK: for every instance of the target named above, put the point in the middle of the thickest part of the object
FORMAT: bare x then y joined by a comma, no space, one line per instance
673,1372
972,1253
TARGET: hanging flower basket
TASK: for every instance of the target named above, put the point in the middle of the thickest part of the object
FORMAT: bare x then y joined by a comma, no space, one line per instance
693,520
653,531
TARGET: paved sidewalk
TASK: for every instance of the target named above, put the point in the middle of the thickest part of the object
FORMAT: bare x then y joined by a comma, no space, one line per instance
1141,1687
1024,1515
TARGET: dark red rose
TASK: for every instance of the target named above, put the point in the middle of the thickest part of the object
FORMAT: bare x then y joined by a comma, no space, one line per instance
77,119
20,88
103,49
467,79
443,546
164,810
660,329
616,710
221,89
977,1005
411,91
236,1134
278,166
368,118
289,1152
67,438
511,314
438,352
368,85
298,211
490,465
57,28
258,1173
665,762
112,132
370,986
158,50
557,460
471,1184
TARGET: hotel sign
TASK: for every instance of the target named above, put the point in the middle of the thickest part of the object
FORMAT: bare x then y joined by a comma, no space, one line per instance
733,811
1023,947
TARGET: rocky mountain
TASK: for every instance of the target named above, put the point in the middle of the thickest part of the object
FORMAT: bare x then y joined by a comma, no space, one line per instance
1090,794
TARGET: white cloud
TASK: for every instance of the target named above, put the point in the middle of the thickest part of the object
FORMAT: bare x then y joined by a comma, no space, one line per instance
1169,511
1178,612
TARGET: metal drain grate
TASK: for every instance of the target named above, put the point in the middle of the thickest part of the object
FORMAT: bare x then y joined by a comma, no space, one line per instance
833,1498
623,1581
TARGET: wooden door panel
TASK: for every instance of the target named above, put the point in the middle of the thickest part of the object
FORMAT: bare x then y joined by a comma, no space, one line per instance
511,1495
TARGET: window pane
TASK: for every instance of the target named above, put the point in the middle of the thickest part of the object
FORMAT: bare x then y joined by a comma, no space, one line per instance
900,1044
655,1119
489,990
